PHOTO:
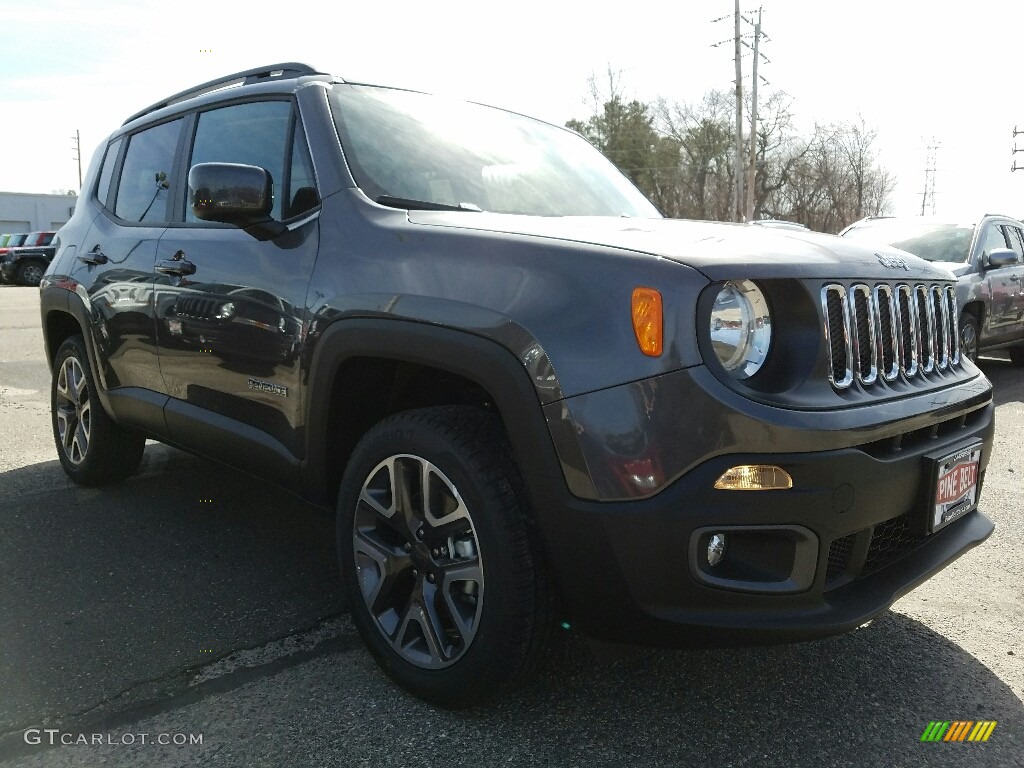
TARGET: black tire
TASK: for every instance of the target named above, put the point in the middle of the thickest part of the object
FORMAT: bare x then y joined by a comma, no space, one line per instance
969,337
1016,356
30,273
92,449
486,627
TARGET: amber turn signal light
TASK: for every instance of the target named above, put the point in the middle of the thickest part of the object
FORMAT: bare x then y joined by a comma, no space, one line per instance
648,321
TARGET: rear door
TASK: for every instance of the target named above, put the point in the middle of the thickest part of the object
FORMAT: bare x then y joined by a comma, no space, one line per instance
1015,236
1001,315
230,322
115,262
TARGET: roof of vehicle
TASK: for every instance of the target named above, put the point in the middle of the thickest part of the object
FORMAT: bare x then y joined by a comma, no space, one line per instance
972,218
265,74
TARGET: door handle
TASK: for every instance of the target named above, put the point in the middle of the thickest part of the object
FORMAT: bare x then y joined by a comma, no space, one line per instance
94,257
178,267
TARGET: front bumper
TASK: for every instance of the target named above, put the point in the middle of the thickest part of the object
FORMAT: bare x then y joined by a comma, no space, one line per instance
631,570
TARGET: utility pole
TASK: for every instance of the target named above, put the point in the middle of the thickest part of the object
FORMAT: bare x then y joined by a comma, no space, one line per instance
752,178
928,195
1016,167
77,149
738,194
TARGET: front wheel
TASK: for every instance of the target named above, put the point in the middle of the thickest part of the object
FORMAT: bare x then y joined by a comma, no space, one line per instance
1017,356
438,555
31,273
969,337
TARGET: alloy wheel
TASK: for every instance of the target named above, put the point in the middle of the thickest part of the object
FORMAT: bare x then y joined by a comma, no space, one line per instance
418,561
74,410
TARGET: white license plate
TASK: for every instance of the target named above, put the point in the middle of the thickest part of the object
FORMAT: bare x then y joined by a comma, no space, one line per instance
956,486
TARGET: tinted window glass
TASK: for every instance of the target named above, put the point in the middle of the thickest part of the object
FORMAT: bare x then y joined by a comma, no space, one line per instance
992,238
251,134
1016,239
107,173
302,183
929,240
408,145
146,174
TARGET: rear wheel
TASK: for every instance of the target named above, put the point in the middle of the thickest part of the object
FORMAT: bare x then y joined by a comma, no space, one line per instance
438,555
969,337
1017,355
92,449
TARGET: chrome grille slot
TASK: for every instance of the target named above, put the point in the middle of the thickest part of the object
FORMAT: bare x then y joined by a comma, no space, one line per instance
837,335
925,328
908,331
863,336
876,333
949,316
941,328
887,322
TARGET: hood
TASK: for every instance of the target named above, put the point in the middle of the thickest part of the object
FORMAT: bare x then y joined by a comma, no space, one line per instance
721,251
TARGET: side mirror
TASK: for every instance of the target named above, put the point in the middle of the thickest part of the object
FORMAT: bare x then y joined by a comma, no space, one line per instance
230,193
1000,257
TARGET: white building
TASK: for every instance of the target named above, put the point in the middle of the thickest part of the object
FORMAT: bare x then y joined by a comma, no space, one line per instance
25,212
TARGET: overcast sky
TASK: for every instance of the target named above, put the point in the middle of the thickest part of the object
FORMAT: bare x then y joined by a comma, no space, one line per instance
914,70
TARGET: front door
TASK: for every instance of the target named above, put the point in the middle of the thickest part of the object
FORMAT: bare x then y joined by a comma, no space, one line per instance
230,321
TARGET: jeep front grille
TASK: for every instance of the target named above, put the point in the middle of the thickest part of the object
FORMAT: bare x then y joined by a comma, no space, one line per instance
887,331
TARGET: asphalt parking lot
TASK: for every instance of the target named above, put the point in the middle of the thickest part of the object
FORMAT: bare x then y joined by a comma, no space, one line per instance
192,600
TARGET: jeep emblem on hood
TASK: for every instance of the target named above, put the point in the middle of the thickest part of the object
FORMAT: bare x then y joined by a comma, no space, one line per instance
893,262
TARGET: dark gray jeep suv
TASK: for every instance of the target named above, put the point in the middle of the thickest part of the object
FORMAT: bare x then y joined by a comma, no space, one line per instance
530,399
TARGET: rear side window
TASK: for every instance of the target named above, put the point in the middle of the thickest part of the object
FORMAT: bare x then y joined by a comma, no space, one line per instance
107,173
146,174
251,134
1016,238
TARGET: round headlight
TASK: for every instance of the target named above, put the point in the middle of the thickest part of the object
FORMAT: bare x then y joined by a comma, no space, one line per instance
741,328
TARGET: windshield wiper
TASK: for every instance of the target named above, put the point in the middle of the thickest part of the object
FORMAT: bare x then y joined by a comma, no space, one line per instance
424,205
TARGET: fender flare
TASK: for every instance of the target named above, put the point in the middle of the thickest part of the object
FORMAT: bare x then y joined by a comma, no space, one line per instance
476,358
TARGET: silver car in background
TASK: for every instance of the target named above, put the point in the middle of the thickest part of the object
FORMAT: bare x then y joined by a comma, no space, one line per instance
987,257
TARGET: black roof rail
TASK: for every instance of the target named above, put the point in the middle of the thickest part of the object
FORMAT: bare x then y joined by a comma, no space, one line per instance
277,71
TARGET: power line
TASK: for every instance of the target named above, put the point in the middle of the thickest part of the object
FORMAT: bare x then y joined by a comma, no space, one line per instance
1016,167
928,196
77,149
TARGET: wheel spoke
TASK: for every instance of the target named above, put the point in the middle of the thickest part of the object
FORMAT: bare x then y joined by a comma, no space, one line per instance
416,637
377,587
66,427
62,382
453,590
408,494
382,501
442,504
85,420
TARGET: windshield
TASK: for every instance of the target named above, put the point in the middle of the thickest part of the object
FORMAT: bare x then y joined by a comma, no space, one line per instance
415,147
927,239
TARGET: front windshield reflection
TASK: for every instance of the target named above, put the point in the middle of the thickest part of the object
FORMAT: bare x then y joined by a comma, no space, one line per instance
417,147
931,241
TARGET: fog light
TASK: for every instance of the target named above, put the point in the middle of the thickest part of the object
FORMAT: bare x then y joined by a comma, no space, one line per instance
716,548
754,477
